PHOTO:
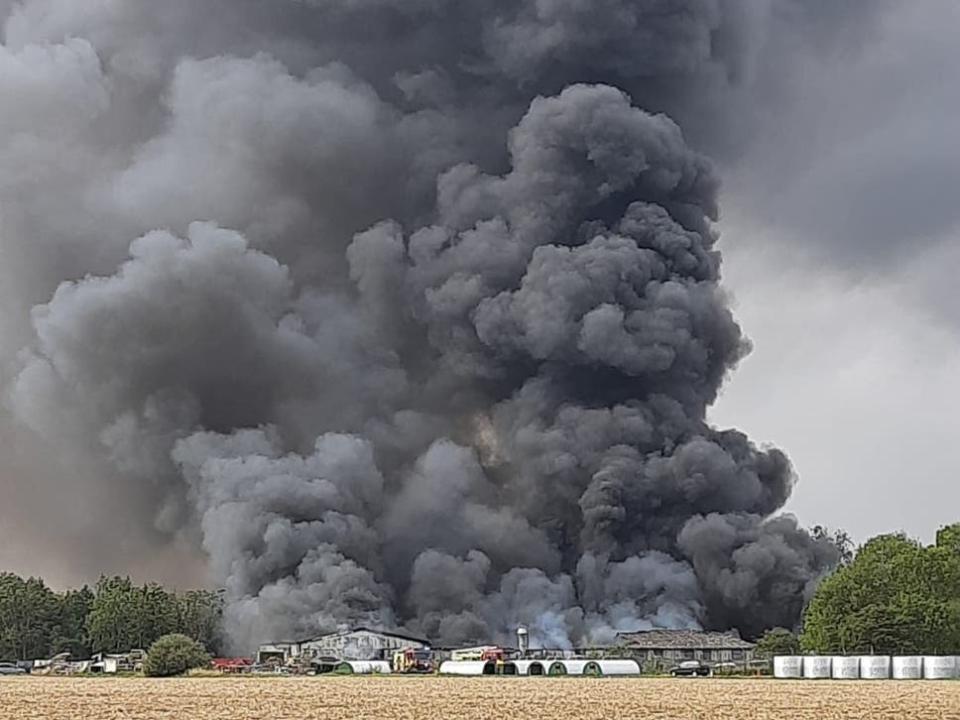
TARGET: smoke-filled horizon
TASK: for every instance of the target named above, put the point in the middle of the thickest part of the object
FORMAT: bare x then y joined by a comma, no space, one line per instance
403,314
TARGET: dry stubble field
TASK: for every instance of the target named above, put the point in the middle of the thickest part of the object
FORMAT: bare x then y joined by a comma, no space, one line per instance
393,698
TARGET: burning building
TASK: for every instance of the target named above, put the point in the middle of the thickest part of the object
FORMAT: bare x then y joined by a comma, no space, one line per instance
355,644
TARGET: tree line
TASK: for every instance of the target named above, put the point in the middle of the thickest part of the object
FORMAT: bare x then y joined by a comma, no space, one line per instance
114,616
894,596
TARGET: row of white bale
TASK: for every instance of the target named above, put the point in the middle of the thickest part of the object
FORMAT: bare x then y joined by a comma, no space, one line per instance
541,667
866,667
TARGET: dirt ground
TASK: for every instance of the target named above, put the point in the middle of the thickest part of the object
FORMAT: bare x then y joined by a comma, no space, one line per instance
407,698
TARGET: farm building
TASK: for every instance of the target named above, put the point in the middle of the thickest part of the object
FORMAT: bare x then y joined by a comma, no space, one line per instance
668,647
357,644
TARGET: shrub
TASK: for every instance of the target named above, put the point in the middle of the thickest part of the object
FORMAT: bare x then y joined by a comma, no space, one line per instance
174,655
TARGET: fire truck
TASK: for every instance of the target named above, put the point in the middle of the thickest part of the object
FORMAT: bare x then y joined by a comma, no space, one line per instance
413,660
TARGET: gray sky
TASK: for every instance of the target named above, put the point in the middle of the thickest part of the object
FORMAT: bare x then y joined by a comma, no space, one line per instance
841,228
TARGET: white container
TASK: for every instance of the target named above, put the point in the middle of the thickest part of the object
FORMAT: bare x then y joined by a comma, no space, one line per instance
907,668
365,667
619,667
845,668
939,667
467,667
874,667
788,667
816,667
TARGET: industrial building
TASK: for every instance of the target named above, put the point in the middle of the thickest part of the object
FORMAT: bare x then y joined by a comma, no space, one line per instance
657,648
356,644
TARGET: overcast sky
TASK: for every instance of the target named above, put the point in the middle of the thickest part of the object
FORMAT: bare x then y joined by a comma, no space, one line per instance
841,229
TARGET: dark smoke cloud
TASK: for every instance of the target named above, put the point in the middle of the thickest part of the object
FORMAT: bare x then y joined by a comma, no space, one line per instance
423,317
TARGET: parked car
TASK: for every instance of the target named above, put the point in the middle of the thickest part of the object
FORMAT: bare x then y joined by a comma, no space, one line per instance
690,668
11,669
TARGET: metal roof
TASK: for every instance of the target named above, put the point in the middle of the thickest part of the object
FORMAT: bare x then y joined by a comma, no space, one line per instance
683,640
387,633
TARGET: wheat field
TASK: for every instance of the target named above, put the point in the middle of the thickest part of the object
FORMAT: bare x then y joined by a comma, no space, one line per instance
409,698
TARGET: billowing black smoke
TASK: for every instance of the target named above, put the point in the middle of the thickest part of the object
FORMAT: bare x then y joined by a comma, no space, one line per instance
423,318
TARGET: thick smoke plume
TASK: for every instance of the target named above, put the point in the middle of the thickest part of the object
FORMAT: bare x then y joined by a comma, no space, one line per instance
422,318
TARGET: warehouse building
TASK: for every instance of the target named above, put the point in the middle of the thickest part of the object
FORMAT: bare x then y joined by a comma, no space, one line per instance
356,644
659,648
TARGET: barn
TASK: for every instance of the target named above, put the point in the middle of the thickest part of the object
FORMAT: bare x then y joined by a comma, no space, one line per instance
358,643
659,648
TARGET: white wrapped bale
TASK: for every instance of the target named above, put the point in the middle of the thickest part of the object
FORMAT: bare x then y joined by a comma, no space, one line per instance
581,667
787,667
845,668
467,667
939,667
532,667
364,667
874,667
816,667
907,668
619,667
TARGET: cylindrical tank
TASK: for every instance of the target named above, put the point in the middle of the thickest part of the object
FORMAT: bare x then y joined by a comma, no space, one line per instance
874,667
467,667
619,667
907,668
363,667
787,667
816,667
523,640
939,667
845,668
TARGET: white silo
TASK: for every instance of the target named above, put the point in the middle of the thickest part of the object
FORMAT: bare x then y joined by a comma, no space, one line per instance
788,667
907,668
523,640
845,668
875,667
816,667
939,667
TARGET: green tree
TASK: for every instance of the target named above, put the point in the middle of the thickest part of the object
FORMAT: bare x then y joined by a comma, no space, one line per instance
173,655
778,641
124,616
29,612
71,631
201,613
895,597
112,623
158,614
949,537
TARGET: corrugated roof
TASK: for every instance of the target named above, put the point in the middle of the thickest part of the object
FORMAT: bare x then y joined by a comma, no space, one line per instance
683,640
387,633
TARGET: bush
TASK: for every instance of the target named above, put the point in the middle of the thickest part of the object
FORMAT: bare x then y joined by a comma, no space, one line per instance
174,655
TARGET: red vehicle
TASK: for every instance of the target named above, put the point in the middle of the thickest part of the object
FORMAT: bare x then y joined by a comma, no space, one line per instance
413,660
232,665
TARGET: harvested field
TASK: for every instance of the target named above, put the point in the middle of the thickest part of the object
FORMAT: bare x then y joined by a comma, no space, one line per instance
408,698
